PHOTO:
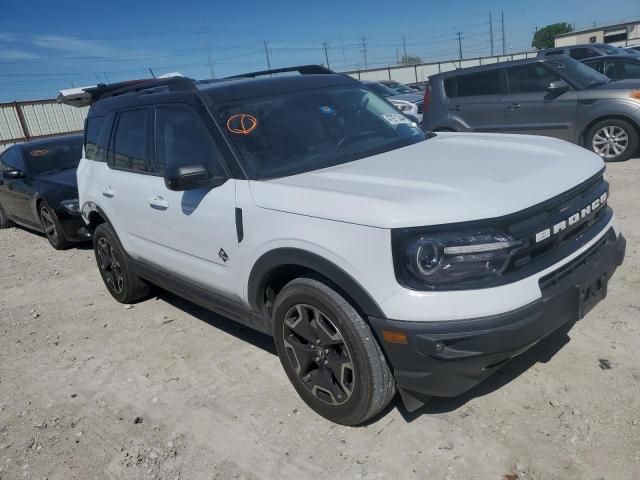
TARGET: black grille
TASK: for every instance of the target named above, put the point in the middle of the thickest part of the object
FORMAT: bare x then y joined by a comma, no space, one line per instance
546,218
420,107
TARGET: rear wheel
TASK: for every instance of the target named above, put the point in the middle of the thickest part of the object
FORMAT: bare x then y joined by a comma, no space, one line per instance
123,284
330,354
52,227
614,140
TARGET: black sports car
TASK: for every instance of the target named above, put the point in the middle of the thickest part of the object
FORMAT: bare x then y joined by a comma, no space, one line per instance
39,190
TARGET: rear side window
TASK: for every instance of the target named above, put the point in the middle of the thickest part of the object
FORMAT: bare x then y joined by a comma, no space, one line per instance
582,53
130,141
530,78
475,84
631,69
96,142
554,52
182,139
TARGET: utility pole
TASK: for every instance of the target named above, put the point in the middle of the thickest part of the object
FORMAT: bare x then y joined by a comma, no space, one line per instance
326,55
397,57
266,52
404,47
151,72
504,41
491,31
364,51
207,47
460,44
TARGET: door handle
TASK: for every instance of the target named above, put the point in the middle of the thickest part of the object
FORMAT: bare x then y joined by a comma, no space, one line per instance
158,203
108,192
513,106
457,108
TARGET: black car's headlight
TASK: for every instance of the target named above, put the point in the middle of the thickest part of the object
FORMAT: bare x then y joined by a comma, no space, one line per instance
430,261
72,205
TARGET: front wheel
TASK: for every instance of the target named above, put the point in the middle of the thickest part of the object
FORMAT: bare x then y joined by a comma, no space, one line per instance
614,140
330,354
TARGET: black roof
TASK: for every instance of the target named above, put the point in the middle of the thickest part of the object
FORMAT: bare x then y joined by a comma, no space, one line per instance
41,142
236,89
107,98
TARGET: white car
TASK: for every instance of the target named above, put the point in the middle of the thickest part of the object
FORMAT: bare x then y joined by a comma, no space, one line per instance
379,257
409,103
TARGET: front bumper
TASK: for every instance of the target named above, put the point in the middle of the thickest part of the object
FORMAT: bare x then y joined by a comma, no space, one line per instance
447,358
73,227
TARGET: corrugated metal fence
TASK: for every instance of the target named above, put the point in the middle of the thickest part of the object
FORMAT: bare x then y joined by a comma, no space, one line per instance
22,121
421,72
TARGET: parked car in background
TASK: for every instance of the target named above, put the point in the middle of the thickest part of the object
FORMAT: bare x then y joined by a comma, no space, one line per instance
408,103
580,52
420,86
555,96
38,189
633,49
399,88
616,67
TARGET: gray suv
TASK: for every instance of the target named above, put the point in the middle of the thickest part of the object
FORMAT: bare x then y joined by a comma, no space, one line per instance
557,97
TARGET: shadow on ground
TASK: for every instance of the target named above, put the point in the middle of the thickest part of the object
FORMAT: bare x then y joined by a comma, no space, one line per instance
542,352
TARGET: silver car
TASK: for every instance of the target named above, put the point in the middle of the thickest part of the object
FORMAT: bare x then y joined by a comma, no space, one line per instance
408,103
554,96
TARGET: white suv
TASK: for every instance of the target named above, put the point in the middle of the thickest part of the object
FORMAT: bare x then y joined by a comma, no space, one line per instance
377,256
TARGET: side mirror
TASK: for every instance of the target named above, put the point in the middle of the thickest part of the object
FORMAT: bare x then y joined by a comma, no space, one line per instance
12,174
190,177
558,87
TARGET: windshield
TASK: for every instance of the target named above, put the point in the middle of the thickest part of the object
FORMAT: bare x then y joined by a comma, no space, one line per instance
380,89
609,49
578,73
298,132
399,88
54,156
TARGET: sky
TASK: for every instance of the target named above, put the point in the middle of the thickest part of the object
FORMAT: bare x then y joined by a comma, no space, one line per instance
47,45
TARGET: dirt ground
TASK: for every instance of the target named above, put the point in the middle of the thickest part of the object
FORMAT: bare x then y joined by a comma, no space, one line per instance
163,389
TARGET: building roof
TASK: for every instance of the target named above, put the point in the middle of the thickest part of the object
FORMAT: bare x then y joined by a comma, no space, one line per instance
598,28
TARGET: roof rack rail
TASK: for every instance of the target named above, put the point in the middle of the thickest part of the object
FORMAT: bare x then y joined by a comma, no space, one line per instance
102,91
301,69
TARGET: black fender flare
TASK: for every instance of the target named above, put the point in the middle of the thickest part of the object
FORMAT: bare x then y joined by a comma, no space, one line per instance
279,257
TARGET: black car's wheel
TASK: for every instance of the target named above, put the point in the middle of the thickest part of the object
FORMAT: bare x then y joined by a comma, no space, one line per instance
4,220
52,227
329,353
613,139
123,284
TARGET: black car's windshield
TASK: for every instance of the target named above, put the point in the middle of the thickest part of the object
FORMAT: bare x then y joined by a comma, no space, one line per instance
578,73
610,49
399,88
380,89
281,135
54,156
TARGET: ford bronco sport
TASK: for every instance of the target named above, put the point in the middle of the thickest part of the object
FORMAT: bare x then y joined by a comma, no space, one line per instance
378,257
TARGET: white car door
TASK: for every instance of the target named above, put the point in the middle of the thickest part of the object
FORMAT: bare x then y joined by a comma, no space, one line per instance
192,234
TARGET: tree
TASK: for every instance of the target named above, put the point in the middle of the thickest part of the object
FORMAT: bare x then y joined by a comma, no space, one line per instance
410,60
543,38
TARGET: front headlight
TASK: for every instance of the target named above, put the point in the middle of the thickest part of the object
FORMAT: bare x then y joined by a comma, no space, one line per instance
442,260
403,106
71,205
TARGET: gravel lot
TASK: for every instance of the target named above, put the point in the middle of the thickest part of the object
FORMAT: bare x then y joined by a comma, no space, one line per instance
164,389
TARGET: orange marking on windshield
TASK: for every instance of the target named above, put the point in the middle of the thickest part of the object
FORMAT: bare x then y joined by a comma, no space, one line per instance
242,123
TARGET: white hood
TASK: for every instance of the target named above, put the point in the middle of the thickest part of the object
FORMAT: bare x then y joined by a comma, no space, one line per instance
453,177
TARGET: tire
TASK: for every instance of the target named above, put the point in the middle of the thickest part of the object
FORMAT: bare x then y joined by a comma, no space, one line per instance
330,354
4,221
613,139
52,227
123,284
